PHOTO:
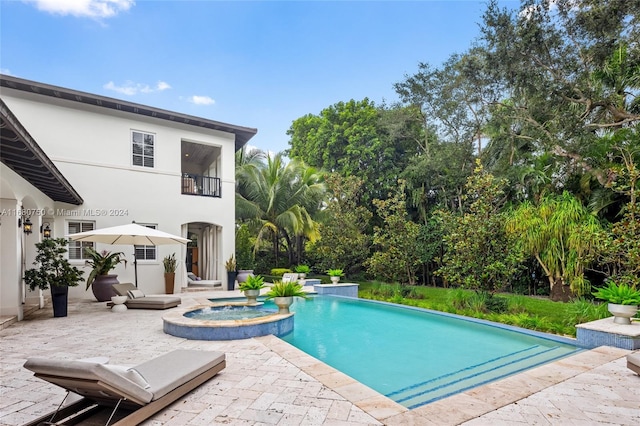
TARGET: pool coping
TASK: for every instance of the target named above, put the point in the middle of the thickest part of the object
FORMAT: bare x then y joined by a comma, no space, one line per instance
454,409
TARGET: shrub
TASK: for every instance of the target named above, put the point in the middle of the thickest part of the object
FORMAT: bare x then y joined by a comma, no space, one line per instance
280,271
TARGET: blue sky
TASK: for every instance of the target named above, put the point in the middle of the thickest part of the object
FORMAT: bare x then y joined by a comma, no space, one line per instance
255,64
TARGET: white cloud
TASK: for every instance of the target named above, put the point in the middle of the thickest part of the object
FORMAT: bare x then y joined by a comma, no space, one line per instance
130,88
201,100
5,71
84,8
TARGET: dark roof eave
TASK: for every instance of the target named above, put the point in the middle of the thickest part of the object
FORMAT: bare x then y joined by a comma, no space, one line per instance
24,156
242,134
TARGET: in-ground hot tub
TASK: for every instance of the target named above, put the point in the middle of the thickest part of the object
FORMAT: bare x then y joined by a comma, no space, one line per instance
226,321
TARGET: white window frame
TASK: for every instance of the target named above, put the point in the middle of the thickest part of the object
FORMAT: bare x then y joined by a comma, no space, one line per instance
145,159
147,249
74,245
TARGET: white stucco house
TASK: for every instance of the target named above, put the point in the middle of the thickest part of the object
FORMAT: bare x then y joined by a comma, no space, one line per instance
74,161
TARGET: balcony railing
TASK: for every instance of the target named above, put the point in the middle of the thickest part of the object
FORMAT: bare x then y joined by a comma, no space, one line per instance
204,186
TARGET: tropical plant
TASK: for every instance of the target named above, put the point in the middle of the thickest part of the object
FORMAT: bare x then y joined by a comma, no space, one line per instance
53,269
280,199
288,289
230,265
244,248
253,282
619,294
562,236
302,269
335,272
101,263
170,263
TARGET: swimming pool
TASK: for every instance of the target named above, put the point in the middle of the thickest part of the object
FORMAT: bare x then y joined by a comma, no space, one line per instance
411,355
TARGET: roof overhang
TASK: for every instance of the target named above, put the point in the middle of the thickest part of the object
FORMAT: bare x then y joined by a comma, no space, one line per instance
20,152
242,134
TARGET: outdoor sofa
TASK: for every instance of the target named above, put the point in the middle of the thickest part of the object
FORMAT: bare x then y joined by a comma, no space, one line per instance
138,300
127,395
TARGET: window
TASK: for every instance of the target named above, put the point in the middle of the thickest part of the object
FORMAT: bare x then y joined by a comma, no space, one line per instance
146,252
76,248
143,149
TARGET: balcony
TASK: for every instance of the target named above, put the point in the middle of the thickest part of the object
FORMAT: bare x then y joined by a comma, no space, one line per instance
203,186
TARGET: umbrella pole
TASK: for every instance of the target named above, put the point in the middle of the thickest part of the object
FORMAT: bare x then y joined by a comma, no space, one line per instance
135,266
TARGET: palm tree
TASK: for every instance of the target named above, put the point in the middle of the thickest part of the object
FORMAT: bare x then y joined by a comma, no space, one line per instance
280,199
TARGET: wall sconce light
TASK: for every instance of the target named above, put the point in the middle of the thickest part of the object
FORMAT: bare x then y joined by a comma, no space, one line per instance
46,232
27,228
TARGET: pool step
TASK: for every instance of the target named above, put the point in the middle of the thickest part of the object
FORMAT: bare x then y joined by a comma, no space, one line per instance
476,375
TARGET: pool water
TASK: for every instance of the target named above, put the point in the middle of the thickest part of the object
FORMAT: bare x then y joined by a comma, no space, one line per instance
410,355
220,313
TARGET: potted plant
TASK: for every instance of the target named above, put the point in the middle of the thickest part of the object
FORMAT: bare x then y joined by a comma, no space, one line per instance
623,300
99,278
335,275
251,288
302,271
55,272
230,266
283,293
170,265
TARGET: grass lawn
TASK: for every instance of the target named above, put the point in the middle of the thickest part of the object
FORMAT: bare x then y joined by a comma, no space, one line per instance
529,312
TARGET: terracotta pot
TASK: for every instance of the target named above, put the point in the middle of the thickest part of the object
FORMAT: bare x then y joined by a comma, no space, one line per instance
169,282
102,287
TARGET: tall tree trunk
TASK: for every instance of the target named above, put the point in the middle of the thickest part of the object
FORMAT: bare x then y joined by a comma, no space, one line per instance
560,292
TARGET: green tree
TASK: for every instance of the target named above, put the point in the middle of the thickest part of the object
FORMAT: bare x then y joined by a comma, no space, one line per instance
279,199
563,236
622,251
396,257
563,72
478,254
354,138
344,240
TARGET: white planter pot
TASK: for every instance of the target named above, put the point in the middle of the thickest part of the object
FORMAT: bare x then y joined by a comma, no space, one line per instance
252,296
622,314
335,280
283,304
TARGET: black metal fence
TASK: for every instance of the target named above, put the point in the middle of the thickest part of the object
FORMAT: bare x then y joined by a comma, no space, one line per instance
204,186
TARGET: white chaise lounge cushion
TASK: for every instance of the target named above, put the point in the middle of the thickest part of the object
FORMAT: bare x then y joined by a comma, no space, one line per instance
92,371
171,370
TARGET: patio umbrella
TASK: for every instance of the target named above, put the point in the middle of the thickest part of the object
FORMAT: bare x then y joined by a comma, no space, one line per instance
132,234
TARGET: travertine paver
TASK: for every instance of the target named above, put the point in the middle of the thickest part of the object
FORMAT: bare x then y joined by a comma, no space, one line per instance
269,382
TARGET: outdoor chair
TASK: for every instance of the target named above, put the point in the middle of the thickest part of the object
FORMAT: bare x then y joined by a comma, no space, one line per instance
289,277
138,300
128,395
193,279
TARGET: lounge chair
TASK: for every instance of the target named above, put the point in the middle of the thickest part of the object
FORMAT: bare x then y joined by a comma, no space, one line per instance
193,279
289,277
129,395
633,362
138,300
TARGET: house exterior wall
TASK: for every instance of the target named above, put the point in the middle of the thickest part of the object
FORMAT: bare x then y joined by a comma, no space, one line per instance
92,148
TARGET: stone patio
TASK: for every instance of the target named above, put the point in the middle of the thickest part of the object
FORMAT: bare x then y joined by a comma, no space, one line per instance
267,381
